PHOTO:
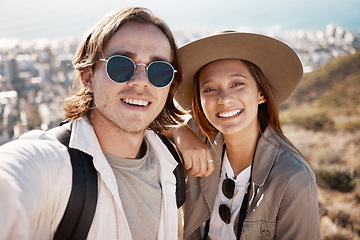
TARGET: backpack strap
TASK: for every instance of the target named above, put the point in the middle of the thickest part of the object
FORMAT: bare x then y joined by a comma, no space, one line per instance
178,172
81,207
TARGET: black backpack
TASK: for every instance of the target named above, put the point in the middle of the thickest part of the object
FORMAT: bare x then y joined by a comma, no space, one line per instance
80,209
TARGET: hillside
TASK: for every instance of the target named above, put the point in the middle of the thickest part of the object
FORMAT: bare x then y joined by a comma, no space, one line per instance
328,98
343,95
344,71
322,119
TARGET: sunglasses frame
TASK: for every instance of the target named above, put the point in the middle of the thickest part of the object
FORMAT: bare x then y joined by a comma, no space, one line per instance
134,69
224,209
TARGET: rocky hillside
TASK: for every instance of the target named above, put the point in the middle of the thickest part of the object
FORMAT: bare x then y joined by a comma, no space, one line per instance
322,119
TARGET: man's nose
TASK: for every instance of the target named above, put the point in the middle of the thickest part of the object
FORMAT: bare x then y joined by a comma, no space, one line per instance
140,77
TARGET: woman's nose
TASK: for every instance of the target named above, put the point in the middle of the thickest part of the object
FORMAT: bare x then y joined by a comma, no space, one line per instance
225,98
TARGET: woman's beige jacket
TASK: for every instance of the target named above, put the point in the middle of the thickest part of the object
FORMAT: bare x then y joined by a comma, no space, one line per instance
283,201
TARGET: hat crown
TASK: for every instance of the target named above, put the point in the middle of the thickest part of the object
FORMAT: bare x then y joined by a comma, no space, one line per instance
279,63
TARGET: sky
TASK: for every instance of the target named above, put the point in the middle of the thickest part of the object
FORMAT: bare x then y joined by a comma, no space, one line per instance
26,19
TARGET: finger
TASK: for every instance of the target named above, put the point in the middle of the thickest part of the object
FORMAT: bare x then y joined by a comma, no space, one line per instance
210,164
195,168
210,169
187,162
203,161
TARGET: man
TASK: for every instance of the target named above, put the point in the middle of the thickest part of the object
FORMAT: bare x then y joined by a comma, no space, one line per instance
127,86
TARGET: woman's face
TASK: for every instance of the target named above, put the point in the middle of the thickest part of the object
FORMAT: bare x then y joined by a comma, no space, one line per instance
229,96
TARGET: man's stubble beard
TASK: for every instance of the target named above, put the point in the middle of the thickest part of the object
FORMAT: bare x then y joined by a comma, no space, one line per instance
118,125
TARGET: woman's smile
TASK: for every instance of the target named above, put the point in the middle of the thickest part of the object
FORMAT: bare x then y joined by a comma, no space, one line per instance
229,113
226,90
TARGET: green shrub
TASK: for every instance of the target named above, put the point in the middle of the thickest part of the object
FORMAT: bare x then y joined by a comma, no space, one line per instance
349,126
343,235
327,155
316,120
338,177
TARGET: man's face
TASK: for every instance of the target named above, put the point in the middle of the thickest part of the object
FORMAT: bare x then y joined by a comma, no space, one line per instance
133,105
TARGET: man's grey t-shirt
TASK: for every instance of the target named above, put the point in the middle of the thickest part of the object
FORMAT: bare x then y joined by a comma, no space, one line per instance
139,186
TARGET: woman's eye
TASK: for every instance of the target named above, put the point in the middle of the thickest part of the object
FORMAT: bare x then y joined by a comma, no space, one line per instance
209,90
237,84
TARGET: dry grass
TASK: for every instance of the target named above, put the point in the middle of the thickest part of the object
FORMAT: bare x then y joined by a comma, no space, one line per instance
339,210
336,176
322,119
339,214
331,231
326,147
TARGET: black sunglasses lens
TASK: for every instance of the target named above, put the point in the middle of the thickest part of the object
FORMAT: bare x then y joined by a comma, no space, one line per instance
160,74
228,188
225,213
120,69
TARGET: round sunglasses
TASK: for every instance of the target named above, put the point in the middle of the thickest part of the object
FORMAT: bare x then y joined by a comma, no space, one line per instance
228,189
121,69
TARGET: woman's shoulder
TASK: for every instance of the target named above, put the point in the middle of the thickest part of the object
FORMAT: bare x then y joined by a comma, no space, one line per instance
293,163
289,166
287,159
292,174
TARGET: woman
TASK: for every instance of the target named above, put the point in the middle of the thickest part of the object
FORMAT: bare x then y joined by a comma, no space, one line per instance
262,187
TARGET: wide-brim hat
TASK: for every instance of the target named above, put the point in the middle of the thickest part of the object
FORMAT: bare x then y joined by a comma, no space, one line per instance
278,62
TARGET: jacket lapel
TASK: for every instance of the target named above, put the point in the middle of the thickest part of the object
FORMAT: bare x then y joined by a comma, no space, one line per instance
209,185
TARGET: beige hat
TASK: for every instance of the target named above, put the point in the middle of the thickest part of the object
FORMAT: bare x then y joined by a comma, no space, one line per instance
279,63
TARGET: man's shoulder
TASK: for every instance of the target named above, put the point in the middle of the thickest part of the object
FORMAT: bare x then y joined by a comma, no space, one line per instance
36,135
35,156
33,137
35,144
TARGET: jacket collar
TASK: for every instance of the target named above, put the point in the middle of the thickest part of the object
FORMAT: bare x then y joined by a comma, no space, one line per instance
84,139
264,159
209,184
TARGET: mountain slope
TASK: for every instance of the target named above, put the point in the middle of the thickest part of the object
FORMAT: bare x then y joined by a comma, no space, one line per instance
336,83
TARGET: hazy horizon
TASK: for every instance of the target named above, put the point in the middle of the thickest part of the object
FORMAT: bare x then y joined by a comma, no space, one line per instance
68,18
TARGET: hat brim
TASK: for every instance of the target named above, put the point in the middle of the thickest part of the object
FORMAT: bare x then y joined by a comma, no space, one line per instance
279,63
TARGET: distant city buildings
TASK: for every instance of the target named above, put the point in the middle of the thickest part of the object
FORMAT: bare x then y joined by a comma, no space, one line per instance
35,75
34,80
316,47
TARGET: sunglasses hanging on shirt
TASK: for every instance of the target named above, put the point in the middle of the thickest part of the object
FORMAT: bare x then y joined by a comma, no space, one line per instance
228,189
121,69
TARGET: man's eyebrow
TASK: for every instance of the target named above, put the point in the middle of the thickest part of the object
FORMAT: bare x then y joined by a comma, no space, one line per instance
123,53
157,58
133,56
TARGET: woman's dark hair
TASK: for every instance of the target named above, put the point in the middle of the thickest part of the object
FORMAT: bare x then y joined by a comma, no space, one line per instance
268,112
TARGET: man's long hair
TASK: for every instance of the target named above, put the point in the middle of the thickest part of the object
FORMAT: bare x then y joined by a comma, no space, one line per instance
90,51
